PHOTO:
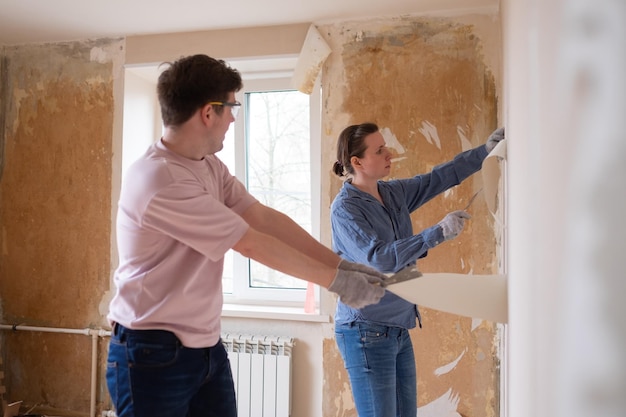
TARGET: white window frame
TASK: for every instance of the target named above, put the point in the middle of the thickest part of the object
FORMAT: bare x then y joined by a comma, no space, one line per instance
261,75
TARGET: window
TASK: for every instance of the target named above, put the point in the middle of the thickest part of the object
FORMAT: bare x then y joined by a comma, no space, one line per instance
273,148
270,148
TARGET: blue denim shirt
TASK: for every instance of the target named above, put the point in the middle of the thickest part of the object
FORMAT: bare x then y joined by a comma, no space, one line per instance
381,236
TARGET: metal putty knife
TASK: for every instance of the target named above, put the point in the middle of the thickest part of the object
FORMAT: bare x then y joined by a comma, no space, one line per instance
471,200
410,272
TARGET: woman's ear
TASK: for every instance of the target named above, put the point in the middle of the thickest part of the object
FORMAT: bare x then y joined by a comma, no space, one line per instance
354,161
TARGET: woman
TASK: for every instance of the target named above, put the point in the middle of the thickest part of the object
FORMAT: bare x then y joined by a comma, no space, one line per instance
371,225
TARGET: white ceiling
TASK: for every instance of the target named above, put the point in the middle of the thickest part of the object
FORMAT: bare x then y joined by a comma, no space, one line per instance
42,21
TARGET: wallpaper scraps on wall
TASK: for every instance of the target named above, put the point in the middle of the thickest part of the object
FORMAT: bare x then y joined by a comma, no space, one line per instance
425,82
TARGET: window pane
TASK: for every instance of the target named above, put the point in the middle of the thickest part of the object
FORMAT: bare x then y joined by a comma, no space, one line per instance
278,157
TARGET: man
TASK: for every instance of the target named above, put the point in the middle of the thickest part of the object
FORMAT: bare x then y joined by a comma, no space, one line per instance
179,212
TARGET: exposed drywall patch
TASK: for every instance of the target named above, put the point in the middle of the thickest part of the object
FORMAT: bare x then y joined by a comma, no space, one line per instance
430,133
104,53
344,401
444,406
450,366
465,142
109,52
476,323
391,140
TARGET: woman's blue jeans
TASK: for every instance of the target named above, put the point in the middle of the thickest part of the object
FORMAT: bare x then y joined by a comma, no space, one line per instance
381,366
151,374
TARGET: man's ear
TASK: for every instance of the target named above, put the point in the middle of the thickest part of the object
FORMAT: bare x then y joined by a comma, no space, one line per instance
207,112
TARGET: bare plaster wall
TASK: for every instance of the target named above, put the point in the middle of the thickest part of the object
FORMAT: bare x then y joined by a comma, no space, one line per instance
429,82
55,214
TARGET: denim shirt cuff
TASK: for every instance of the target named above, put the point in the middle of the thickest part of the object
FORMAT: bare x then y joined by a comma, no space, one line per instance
433,236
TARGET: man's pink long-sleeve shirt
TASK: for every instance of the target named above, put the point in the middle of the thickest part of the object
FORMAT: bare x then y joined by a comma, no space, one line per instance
176,219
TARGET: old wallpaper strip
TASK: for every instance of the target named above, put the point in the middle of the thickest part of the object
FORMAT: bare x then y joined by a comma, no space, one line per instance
478,296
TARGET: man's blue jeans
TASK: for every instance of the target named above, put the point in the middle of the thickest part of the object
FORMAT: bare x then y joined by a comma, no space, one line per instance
151,374
381,366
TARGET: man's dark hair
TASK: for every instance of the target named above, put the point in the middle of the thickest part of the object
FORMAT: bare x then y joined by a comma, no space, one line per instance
190,83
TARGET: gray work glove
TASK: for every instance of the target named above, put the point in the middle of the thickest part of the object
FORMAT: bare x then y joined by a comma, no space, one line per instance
453,223
358,285
494,138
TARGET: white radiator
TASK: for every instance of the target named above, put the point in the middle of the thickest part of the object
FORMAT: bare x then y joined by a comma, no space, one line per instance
261,367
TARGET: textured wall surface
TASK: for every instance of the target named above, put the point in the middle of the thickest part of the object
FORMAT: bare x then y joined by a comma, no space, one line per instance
425,82
55,214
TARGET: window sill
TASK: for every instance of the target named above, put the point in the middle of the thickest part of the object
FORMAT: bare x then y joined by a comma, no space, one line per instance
273,313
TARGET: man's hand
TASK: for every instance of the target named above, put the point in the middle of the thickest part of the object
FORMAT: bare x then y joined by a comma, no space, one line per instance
453,223
358,285
494,139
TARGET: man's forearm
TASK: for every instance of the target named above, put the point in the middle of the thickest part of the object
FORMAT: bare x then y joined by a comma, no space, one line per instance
286,258
283,228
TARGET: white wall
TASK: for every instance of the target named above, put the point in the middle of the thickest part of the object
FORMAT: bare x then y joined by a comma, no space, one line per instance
142,119
565,108
307,369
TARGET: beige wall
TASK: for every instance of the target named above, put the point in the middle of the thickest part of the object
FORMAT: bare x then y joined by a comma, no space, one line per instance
64,115
225,44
